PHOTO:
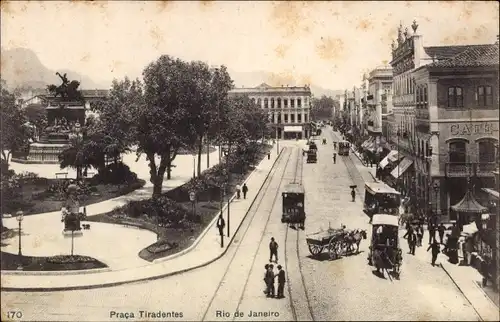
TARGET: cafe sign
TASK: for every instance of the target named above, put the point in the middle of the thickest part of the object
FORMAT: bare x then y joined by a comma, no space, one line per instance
480,128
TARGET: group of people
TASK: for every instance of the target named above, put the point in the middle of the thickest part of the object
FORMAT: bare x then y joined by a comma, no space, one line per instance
243,189
414,235
270,276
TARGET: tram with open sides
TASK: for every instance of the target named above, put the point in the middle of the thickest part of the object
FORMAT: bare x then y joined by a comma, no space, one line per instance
343,148
381,199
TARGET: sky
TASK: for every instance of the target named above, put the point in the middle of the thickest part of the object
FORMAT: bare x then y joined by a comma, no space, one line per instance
329,44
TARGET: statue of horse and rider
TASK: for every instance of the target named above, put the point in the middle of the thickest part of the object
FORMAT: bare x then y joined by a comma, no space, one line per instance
68,91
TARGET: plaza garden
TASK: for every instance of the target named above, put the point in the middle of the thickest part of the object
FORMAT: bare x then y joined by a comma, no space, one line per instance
149,118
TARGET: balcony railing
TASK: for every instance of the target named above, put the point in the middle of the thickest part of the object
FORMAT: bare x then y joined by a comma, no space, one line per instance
470,169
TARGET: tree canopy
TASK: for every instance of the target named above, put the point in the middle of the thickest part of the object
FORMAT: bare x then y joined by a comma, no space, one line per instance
14,132
322,108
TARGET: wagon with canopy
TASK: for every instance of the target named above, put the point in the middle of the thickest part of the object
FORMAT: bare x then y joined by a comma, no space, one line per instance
385,253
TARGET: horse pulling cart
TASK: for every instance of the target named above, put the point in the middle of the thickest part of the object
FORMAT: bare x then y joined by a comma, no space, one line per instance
332,239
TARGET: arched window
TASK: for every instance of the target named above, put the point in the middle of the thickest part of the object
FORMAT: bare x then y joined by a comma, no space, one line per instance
278,105
455,97
272,102
486,151
418,100
292,102
299,102
285,103
253,100
259,102
266,103
457,151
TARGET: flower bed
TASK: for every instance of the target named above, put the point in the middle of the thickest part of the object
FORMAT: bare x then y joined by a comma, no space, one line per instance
170,215
53,263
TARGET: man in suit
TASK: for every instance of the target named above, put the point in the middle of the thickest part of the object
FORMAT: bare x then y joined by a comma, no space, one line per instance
281,282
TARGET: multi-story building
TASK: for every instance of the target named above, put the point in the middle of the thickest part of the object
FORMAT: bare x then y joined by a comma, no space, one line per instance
457,121
288,108
445,120
378,101
401,123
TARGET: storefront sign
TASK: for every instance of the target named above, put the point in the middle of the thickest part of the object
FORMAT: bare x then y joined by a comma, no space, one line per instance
474,128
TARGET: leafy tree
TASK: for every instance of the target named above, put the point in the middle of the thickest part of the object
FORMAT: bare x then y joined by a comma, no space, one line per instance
112,131
168,105
14,134
322,108
211,87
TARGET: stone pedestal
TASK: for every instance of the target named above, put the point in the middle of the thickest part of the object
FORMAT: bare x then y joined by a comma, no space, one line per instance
43,153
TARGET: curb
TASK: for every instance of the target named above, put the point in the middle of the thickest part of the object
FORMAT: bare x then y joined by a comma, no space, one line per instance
57,273
210,226
151,278
460,289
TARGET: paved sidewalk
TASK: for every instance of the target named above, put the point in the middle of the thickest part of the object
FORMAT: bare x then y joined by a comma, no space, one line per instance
204,251
466,278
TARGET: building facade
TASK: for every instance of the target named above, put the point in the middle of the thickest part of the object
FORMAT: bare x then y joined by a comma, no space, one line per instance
457,118
444,120
288,108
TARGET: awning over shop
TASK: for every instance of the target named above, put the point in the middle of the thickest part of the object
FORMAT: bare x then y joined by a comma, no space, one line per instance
367,142
469,204
491,192
296,128
385,161
401,168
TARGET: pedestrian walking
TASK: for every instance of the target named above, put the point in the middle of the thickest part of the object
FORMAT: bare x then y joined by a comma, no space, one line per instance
420,235
220,225
335,158
270,281
281,282
353,195
268,155
484,271
441,229
245,190
432,233
412,240
435,251
273,250
238,191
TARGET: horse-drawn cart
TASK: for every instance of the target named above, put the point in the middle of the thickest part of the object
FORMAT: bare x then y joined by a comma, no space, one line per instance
331,239
385,253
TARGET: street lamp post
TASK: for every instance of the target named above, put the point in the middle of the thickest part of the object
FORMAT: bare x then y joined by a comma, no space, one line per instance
226,154
277,141
19,218
436,190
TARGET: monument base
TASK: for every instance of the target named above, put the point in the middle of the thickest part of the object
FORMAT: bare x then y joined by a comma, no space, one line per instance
76,233
43,153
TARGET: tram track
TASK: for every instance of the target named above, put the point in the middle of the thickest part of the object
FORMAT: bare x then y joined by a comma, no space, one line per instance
284,157
278,192
297,291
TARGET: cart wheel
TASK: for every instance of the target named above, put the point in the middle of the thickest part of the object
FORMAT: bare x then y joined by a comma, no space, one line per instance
315,250
333,249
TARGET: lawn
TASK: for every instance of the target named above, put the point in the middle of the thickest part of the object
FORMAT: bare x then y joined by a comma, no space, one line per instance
38,197
175,238
51,263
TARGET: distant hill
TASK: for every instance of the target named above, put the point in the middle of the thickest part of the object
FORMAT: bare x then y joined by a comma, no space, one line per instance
21,68
253,79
